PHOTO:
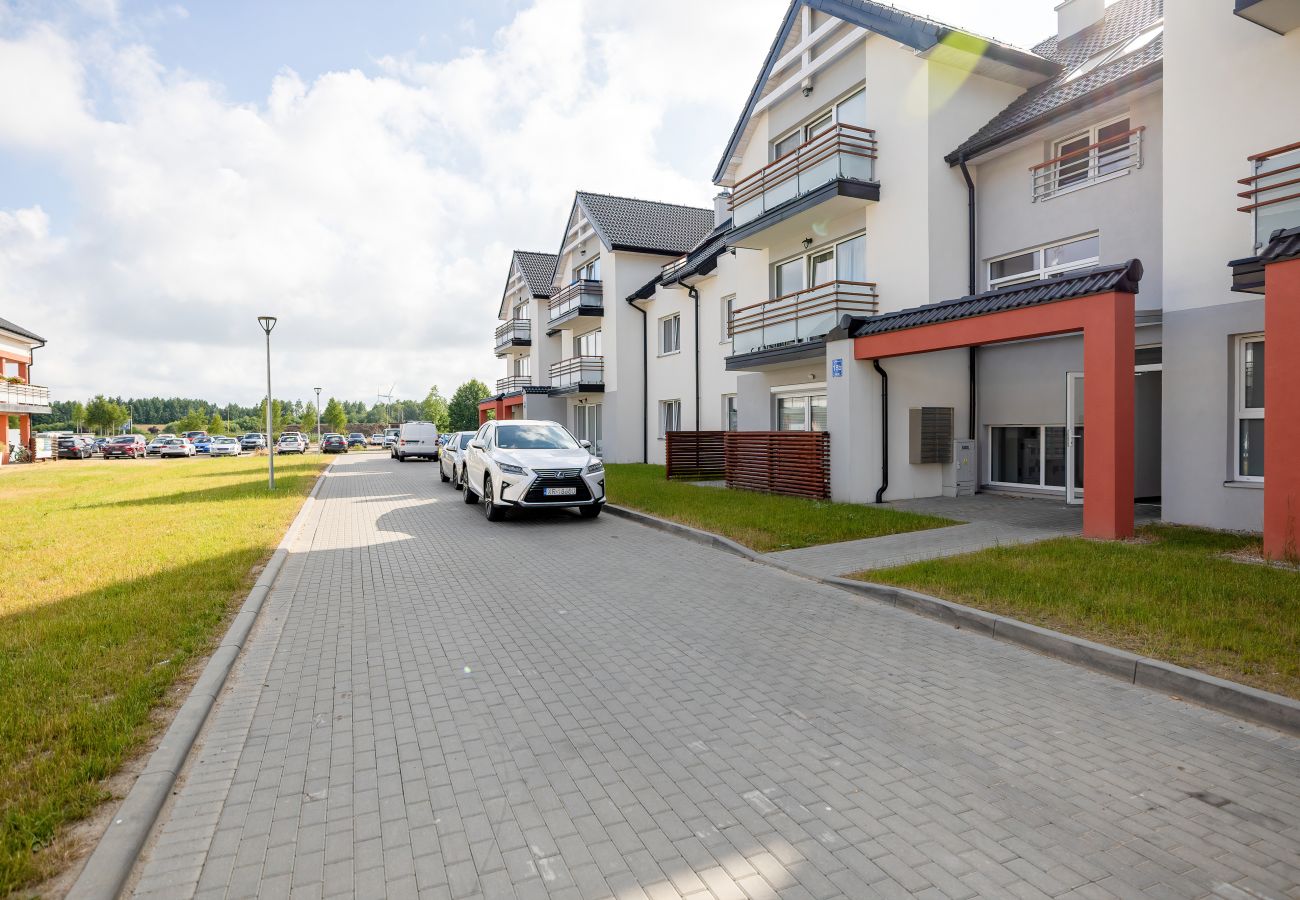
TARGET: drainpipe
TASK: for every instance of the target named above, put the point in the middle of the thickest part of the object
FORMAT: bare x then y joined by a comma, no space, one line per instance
645,379
884,431
972,283
974,389
695,295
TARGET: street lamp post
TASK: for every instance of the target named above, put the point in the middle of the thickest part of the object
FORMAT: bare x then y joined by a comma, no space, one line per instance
317,416
267,323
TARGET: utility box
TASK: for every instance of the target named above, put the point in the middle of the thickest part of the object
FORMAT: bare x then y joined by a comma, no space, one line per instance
959,475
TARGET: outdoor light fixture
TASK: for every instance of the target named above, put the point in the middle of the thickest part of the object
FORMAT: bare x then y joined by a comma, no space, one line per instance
267,323
807,242
317,390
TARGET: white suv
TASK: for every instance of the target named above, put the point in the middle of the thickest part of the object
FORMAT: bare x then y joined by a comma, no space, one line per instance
532,464
291,442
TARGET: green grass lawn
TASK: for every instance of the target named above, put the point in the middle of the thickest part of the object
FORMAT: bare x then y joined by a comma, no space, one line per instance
118,575
1171,595
763,522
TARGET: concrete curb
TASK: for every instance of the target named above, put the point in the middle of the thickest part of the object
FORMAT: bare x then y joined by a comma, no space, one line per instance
111,862
1238,700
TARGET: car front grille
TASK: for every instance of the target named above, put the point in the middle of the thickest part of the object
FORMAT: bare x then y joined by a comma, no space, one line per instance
536,491
557,473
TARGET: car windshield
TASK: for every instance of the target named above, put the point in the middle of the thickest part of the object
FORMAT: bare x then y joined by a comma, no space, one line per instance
534,437
123,440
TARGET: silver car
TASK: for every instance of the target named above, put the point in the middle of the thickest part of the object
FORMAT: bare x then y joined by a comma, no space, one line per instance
451,461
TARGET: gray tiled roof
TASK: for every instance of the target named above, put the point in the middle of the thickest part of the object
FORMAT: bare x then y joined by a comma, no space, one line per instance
1121,277
624,223
539,271
6,325
1124,19
1282,245
700,261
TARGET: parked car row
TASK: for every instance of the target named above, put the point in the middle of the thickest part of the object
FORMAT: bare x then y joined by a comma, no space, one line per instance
523,463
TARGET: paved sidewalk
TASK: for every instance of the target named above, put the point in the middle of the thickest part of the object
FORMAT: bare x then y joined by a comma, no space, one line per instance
437,706
990,520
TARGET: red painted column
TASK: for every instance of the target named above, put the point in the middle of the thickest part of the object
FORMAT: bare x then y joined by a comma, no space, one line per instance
1281,409
1108,417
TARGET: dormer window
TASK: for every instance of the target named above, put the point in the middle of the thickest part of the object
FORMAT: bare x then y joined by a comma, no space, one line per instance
1115,51
1091,154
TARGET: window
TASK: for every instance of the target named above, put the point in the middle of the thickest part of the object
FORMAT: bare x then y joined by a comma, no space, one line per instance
1044,262
587,425
822,267
852,110
589,271
587,344
522,366
851,259
730,414
521,311
844,261
787,144
1115,51
670,416
1250,408
801,412
728,306
670,334
1088,156
1027,455
788,277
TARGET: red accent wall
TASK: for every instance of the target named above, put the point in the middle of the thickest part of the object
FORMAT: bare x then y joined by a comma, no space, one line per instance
1281,409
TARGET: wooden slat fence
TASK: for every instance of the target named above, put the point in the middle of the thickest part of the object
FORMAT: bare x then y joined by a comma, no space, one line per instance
779,462
695,454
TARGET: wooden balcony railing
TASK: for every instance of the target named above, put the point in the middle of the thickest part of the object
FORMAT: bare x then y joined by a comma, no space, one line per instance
844,151
802,316
1087,164
577,370
24,395
584,294
1273,191
516,331
513,383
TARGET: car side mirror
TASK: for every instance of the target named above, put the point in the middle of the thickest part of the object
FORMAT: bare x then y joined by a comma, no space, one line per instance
585,445
477,445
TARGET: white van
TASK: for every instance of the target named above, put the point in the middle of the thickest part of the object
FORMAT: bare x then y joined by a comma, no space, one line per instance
416,440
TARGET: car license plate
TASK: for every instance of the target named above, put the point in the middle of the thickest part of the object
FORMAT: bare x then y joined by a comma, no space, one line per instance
559,492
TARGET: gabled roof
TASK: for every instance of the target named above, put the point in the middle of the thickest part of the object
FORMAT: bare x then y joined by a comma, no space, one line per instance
6,325
1058,97
702,260
644,226
537,269
919,33
1101,279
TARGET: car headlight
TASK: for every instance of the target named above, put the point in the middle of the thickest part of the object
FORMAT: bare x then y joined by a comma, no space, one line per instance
508,469
595,468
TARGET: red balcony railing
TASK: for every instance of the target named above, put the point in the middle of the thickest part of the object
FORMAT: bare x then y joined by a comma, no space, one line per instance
802,316
584,294
1273,191
1087,165
844,151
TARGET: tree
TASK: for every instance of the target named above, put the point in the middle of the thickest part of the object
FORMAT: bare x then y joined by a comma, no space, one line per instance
216,425
76,415
335,416
434,409
464,405
106,415
309,417
194,420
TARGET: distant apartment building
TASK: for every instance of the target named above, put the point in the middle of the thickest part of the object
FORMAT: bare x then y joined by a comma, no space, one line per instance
981,267
19,398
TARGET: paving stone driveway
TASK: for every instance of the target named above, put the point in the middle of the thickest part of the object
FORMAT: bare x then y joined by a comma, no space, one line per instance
433,705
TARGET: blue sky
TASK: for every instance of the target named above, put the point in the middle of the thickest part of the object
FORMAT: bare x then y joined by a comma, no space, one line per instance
170,170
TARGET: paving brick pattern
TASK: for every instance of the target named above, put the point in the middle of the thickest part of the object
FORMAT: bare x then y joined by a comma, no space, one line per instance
437,706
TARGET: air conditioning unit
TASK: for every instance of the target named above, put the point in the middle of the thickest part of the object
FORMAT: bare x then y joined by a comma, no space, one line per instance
930,434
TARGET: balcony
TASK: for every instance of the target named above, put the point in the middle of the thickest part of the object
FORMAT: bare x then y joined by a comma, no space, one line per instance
791,327
578,374
515,333
842,161
24,398
1088,165
582,298
514,384
1273,192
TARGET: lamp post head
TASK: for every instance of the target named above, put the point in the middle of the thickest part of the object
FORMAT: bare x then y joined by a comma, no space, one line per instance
267,323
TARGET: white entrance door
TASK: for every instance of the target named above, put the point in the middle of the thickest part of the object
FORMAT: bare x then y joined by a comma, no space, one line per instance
1074,437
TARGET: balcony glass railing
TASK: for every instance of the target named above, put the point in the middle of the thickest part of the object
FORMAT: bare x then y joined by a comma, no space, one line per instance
24,394
513,332
514,383
1087,165
578,370
1273,192
845,151
799,317
585,294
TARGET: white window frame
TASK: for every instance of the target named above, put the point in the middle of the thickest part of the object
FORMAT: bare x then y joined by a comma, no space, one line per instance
670,413
728,306
1042,463
832,247
588,266
805,392
520,311
729,403
1090,135
593,336
1241,411
804,128
670,326
1041,272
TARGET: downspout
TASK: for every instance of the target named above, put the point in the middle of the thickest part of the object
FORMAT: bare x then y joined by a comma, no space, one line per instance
645,379
695,295
884,431
972,285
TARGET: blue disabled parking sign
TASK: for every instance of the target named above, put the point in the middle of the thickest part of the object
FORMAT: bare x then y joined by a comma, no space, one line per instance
837,368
